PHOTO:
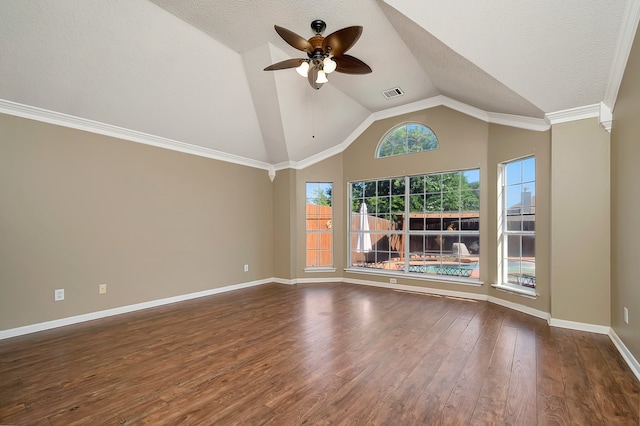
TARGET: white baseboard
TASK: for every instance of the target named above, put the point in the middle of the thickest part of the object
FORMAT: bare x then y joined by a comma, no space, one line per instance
580,326
33,328
520,308
632,362
284,281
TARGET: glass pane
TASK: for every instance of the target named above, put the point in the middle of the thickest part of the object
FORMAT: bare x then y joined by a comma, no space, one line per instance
383,188
416,203
417,223
357,190
384,204
470,200
514,172
433,183
416,246
514,247
370,189
397,186
397,204
514,199
529,248
434,222
529,222
433,244
324,258
433,202
514,223
529,169
416,184
451,182
355,205
470,179
451,223
470,222
472,242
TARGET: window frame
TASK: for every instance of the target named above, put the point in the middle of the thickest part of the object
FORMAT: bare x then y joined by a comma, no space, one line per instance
406,233
504,233
320,230
385,137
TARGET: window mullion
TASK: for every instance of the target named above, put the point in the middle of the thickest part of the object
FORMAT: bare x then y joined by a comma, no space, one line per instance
405,225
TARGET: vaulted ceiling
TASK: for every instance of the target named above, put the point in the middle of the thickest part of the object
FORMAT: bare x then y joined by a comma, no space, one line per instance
188,74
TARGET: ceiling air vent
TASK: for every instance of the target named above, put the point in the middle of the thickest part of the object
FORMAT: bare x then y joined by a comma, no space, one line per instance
393,93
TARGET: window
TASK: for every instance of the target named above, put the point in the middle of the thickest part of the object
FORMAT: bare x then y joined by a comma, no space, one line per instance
517,223
319,224
407,138
425,224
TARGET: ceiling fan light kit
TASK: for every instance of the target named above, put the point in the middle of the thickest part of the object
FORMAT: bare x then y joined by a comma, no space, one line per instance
324,54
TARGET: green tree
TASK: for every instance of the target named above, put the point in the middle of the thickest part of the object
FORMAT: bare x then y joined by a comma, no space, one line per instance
442,192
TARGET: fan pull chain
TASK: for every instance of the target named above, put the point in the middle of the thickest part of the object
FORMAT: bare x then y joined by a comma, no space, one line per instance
313,116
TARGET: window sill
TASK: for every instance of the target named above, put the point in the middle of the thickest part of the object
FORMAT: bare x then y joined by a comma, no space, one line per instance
520,291
421,277
324,269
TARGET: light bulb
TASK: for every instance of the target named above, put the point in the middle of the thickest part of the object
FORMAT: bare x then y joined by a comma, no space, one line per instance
303,69
322,77
329,65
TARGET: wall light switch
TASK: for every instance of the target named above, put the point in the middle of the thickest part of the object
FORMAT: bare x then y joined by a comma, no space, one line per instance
102,289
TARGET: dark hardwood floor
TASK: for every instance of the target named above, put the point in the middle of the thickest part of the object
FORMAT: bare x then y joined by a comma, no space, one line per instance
316,355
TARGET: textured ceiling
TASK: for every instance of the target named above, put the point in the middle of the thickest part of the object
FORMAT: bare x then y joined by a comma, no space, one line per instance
190,71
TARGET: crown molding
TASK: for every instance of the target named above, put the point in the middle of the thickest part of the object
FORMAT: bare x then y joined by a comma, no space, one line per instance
573,114
626,37
522,122
606,117
78,123
65,120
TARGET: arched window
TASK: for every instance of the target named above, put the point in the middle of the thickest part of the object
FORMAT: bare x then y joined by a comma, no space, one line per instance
406,139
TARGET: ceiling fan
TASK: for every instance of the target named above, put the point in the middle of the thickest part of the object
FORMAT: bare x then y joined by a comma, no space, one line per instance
324,54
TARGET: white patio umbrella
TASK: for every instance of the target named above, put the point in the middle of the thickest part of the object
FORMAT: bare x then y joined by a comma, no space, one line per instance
363,243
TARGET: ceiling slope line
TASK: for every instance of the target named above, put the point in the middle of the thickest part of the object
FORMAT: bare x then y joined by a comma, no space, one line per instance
630,21
78,123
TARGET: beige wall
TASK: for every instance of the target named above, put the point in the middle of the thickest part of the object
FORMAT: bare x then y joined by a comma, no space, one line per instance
79,209
580,239
506,144
284,224
625,205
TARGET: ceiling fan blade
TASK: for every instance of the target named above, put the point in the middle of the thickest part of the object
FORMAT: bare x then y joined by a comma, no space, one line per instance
342,40
294,39
313,76
289,63
349,65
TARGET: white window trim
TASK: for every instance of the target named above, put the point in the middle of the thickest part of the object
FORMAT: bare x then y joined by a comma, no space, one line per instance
503,267
324,269
311,268
516,289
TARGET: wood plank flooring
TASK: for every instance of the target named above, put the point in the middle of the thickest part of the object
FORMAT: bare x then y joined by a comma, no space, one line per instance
317,354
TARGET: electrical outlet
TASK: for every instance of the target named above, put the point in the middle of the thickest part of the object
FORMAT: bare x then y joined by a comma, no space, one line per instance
626,315
58,294
393,280
246,268
102,289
